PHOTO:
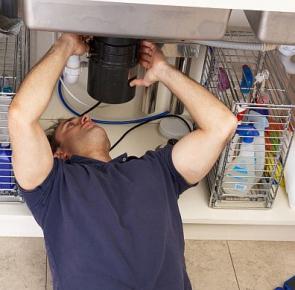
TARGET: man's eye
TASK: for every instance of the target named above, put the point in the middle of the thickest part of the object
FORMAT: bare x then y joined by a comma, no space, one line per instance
70,124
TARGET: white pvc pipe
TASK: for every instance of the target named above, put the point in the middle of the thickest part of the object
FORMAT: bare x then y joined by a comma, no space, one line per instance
72,70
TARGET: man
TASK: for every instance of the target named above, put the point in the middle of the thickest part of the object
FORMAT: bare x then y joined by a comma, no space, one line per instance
111,224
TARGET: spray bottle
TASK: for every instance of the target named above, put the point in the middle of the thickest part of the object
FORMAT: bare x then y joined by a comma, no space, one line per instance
239,175
259,119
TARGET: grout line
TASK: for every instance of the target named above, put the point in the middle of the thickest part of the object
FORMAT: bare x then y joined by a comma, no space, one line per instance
232,262
46,273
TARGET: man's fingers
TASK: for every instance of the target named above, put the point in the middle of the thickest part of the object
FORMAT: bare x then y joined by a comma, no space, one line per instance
148,44
146,50
145,63
138,82
146,58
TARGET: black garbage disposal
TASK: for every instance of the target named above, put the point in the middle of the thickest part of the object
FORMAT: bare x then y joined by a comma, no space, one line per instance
112,63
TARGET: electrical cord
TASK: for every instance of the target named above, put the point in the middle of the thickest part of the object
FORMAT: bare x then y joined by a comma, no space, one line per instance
141,121
145,122
92,108
108,122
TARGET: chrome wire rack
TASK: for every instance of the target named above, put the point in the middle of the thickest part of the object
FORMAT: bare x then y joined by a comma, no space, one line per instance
13,65
249,171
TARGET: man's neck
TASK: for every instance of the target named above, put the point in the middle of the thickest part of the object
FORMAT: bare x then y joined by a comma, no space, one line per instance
100,155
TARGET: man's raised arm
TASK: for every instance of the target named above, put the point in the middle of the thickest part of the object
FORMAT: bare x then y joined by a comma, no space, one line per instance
194,155
32,156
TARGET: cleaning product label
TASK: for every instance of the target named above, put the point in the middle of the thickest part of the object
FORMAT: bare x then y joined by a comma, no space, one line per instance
240,169
240,187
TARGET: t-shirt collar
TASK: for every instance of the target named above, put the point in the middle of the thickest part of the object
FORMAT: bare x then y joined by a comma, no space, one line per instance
85,160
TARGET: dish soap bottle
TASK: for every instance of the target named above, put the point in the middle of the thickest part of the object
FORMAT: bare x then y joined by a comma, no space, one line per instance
239,175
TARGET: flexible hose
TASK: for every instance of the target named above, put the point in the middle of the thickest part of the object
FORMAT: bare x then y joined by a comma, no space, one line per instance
70,93
109,122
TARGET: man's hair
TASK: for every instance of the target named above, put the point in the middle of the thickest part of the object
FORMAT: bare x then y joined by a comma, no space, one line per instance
50,133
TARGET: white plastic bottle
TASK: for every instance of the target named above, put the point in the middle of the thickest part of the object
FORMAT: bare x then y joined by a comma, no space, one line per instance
239,175
287,51
258,118
234,143
289,175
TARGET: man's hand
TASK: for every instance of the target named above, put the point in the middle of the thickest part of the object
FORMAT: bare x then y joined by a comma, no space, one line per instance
28,105
76,43
152,59
195,154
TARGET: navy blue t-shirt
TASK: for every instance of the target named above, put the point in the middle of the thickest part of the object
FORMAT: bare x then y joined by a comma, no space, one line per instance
113,225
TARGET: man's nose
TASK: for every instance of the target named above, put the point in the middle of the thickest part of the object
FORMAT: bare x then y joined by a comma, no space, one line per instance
84,119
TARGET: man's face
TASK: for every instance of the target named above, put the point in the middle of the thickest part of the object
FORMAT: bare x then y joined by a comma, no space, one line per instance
80,136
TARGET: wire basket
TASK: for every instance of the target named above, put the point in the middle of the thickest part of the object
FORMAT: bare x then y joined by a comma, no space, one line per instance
249,171
13,65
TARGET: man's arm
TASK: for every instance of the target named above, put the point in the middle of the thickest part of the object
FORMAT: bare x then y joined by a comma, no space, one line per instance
194,155
32,157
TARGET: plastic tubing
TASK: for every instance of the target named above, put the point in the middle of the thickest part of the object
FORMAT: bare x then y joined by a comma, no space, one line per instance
71,95
239,45
108,122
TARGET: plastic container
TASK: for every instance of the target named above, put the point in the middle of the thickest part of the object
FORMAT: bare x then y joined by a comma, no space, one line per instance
6,179
247,79
223,81
240,176
287,52
260,122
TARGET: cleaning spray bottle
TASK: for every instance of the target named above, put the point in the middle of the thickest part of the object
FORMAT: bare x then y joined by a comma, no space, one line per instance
258,117
234,146
239,175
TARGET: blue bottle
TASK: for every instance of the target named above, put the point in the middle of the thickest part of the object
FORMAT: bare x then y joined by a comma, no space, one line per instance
6,179
247,80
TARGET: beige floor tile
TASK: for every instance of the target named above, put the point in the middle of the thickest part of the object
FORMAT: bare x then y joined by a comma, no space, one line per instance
22,264
262,265
49,285
209,265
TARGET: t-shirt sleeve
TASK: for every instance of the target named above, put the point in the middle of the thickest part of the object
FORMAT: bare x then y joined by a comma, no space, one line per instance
38,199
164,156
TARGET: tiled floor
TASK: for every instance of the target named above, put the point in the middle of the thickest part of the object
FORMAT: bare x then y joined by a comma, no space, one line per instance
244,265
212,265
22,264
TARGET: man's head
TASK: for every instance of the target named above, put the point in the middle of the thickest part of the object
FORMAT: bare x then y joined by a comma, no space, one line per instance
78,136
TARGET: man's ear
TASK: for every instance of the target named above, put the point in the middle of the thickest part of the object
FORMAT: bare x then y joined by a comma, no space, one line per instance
61,154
